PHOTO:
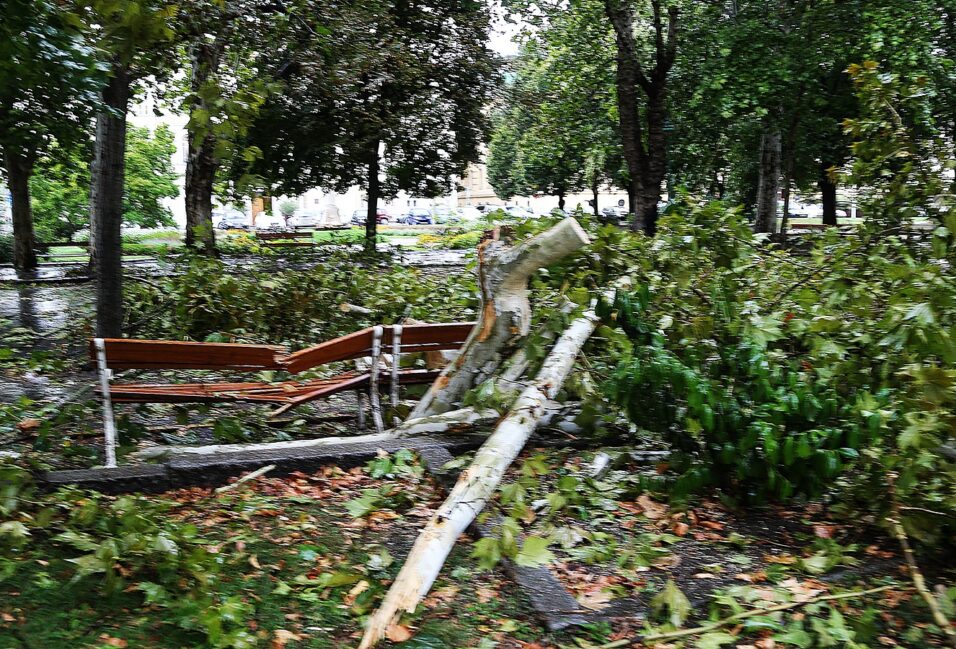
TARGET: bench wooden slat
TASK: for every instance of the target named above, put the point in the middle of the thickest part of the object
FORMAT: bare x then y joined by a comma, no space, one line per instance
124,353
354,345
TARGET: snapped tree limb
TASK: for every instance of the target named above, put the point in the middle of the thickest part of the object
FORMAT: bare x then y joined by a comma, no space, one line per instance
505,317
477,483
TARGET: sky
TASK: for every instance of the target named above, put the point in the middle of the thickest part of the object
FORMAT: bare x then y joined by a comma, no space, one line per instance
502,33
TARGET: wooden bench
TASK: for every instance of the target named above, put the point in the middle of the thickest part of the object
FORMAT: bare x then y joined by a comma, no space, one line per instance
122,353
284,234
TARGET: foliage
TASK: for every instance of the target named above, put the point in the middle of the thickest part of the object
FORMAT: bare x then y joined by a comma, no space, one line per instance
6,249
123,544
60,188
51,77
771,376
295,307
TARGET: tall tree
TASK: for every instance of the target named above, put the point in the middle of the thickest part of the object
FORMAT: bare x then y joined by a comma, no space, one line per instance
60,188
386,94
50,85
642,103
226,88
135,38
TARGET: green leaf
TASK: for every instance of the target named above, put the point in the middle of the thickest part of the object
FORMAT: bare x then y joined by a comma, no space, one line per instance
672,601
534,552
714,640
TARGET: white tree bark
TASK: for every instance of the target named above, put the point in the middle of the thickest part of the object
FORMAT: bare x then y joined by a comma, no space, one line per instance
443,423
505,317
477,483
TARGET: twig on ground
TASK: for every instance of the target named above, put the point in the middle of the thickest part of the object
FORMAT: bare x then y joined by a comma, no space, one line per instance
697,630
916,575
246,478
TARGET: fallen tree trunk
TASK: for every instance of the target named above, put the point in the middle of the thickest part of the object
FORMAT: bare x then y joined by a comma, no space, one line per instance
451,421
505,317
477,483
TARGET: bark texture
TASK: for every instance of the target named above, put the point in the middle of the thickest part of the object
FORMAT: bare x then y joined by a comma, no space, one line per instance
106,199
201,164
505,317
374,189
477,483
828,195
768,183
19,169
644,153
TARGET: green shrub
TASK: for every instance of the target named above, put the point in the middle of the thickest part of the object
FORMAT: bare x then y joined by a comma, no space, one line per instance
773,375
145,249
6,248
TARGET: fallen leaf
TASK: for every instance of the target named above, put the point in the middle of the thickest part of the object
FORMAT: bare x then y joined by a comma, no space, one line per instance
28,425
112,642
653,510
822,531
595,600
681,529
281,637
254,562
357,590
705,575
398,633
766,643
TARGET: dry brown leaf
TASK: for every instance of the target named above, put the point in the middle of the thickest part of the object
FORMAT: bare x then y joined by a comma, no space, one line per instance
281,637
254,562
784,559
705,575
766,643
112,642
595,600
822,531
398,633
680,529
653,510
28,425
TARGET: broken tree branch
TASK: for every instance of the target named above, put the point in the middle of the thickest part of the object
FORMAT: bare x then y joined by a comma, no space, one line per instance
246,478
477,483
733,619
505,317
896,525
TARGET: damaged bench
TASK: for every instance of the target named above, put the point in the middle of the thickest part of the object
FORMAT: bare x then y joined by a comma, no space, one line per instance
373,342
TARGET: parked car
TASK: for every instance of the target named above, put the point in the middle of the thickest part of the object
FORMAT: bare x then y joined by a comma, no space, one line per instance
417,216
305,219
230,220
444,214
468,213
611,214
381,216
266,221
519,212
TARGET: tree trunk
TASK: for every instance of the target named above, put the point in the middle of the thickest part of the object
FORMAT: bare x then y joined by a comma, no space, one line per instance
477,483
201,169
594,195
106,201
656,159
19,168
768,183
828,195
201,163
505,317
561,200
374,188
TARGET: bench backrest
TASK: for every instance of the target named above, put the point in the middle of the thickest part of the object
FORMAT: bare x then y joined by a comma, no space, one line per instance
124,353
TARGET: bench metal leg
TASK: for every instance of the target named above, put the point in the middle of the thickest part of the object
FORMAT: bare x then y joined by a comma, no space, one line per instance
373,394
109,423
396,361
